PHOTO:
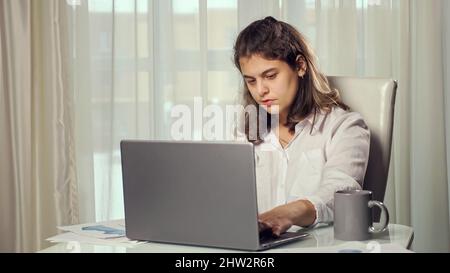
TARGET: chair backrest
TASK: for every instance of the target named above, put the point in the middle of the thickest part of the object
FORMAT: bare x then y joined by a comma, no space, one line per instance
374,99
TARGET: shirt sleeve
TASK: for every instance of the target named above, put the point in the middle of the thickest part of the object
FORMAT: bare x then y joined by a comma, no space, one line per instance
347,153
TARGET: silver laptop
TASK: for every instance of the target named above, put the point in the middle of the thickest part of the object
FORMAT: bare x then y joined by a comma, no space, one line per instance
194,193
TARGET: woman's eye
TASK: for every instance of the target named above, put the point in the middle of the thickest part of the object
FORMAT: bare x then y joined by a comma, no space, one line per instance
271,76
251,82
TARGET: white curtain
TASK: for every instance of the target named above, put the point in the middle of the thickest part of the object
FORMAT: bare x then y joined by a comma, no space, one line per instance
446,61
135,59
38,188
429,178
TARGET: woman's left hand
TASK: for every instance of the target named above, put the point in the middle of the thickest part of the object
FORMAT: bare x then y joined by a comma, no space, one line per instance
277,219
281,218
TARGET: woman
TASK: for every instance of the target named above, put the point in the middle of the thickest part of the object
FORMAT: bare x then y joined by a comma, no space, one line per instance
318,145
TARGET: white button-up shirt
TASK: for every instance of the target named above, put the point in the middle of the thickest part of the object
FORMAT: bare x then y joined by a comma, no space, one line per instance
315,164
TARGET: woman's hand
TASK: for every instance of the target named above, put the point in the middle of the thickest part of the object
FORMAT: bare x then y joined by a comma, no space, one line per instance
281,218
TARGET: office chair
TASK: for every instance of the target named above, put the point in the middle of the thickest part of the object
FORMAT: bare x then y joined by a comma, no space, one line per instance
374,99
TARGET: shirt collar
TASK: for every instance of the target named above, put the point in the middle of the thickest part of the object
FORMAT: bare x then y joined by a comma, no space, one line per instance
311,120
270,137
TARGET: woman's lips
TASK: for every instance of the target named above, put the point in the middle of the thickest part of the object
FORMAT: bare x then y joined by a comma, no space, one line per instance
267,102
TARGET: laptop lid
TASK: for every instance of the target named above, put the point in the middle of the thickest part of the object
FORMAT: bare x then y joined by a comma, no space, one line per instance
196,193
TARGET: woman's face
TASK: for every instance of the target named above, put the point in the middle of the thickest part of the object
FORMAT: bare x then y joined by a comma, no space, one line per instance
270,82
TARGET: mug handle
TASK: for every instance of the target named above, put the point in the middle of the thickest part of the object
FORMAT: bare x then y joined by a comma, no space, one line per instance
385,211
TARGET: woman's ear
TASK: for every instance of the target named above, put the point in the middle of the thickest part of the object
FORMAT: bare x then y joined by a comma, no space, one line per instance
301,65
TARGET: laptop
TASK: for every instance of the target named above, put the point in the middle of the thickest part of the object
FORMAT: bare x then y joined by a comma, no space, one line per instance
193,193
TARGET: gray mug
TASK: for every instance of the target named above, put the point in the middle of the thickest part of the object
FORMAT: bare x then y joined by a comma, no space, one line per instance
353,215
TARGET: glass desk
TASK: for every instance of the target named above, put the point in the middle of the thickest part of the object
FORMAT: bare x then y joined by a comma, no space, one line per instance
397,238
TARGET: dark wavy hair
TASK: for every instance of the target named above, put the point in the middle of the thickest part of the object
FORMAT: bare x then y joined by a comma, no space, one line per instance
277,40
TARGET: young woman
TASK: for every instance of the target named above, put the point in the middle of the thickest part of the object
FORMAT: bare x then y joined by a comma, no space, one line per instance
318,147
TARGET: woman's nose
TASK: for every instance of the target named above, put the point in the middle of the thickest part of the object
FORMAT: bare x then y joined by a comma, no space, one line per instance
262,89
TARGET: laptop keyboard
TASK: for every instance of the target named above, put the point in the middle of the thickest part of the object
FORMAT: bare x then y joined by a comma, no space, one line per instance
268,238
